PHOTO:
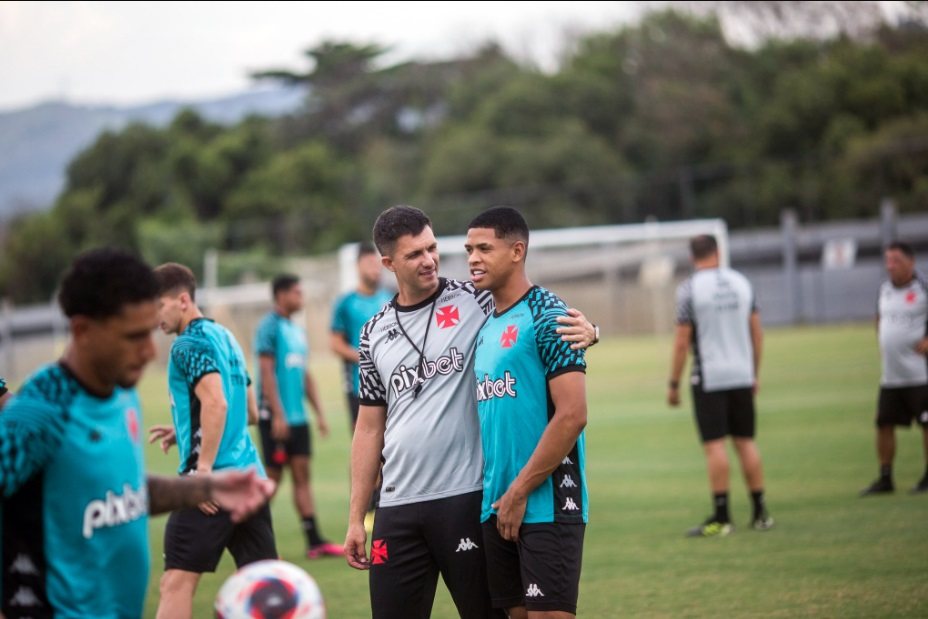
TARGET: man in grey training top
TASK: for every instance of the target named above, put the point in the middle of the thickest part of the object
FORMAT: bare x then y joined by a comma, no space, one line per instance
902,322
717,315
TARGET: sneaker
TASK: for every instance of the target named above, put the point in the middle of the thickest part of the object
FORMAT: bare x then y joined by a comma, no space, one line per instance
880,486
369,522
762,521
711,527
325,549
921,486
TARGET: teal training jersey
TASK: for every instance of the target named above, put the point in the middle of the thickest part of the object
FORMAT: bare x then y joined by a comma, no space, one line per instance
75,501
518,352
350,312
286,342
203,348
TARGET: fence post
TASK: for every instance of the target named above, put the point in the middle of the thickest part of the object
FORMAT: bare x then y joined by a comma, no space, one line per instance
888,222
789,227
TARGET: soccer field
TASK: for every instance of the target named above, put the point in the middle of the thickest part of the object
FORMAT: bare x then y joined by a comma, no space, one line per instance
830,553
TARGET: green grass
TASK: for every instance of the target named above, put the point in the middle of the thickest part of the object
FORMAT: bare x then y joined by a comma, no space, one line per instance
830,554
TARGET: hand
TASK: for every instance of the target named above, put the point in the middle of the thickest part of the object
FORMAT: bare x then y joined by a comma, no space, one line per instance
578,330
673,396
166,434
510,510
355,542
922,346
241,493
323,426
280,428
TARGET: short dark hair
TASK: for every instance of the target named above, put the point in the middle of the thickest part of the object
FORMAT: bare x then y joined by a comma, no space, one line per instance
505,221
903,247
283,283
365,249
396,222
703,246
174,278
100,282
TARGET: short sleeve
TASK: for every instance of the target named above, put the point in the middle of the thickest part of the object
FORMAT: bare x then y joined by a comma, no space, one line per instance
194,358
371,390
31,430
266,337
684,314
339,316
555,353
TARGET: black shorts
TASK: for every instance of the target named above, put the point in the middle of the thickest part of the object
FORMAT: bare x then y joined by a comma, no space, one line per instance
194,541
898,406
278,453
354,405
412,544
723,413
541,572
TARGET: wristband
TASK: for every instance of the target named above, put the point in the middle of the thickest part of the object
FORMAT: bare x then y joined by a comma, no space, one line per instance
674,384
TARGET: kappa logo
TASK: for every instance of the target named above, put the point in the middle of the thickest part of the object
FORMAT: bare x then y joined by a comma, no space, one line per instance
509,337
392,334
567,460
378,551
568,482
533,591
448,316
25,597
466,544
23,564
570,505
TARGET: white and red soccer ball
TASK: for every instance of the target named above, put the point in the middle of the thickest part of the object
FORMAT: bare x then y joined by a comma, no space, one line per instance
270,589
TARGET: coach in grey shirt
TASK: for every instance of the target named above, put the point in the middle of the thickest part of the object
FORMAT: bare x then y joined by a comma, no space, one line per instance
418,417
902,323
717,317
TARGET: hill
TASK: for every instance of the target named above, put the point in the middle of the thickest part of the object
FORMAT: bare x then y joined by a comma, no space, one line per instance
37,143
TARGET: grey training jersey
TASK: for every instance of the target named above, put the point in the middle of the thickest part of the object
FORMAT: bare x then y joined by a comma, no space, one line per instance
903,314
432,446
718,303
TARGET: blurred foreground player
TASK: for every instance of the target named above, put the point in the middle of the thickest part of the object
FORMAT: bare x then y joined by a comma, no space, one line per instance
76,498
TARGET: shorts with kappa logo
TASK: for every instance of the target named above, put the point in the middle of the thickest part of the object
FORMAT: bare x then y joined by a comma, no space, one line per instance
278,453
725,412
194,541
898,406
411,544
541,572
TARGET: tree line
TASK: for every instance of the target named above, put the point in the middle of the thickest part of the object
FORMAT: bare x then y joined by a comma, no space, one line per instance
663,119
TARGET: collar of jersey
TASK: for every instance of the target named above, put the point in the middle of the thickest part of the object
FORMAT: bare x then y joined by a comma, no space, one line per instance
442,282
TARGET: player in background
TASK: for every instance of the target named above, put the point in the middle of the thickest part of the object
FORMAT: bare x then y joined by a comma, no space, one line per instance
531,400
418,414
349,313
211,396
717,315
284,380
76,498
5,393
902,326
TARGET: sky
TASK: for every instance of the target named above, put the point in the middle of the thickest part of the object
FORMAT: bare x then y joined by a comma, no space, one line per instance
127,53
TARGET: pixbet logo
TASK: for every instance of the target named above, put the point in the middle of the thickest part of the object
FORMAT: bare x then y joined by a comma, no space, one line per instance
406,377
487,389
115,509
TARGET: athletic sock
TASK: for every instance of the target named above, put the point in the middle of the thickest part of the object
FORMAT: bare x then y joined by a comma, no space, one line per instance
757,499
721,506
312,531
886,472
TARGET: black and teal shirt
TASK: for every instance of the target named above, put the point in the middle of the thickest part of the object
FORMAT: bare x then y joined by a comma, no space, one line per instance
203,348
518,352
75,501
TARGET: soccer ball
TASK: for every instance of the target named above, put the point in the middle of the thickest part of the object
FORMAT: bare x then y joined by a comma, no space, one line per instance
270,589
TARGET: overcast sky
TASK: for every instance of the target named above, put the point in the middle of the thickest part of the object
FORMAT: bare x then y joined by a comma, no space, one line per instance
137,52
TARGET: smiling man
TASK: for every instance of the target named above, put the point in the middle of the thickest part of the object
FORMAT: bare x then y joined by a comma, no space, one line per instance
531,399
